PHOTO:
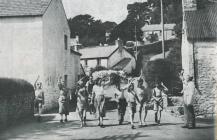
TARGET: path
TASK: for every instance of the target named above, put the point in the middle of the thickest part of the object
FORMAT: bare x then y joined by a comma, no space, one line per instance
51,129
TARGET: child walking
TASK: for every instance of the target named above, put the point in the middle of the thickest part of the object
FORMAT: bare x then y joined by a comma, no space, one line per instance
132,98
82,103
63,102
122,104
157,93
39,98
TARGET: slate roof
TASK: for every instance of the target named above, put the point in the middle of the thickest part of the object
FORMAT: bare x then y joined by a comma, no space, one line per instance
156,27
122,64
97,52
202,23
11,8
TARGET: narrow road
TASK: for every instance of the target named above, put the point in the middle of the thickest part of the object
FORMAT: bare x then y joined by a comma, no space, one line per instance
51,129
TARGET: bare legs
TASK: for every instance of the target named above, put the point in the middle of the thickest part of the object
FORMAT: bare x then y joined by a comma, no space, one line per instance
132,119
100,121
158,116
146,112
82,115
140,114
61,118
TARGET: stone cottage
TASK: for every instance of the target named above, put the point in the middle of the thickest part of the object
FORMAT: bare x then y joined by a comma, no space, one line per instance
110,56
199,50
34,41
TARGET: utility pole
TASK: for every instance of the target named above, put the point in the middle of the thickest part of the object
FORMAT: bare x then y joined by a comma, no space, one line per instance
162,23
135,41
137,17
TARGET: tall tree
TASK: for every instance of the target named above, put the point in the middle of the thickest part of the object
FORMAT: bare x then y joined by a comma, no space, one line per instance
90,31
140,14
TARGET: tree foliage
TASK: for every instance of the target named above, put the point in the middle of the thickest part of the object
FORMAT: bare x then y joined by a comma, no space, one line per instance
140,14
159,70
90,31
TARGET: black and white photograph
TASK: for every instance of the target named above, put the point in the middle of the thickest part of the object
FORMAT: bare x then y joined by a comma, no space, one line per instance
108,69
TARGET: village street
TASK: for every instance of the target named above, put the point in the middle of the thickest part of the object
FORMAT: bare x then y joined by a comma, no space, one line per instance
52,129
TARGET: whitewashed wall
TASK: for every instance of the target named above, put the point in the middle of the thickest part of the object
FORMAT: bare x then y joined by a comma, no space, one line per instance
21,47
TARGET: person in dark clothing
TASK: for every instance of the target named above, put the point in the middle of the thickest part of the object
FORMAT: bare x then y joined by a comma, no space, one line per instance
89,87
122,105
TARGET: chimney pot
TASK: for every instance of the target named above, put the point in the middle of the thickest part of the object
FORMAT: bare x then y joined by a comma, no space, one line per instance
119,43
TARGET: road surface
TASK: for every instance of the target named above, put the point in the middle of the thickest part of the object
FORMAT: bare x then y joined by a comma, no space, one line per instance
51,129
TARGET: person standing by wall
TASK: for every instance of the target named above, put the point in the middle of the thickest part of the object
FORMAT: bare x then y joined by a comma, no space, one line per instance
157,93
188,93
39,98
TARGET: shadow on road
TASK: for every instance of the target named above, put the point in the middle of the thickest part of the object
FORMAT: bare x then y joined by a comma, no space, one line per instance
204,127
121,137
47,126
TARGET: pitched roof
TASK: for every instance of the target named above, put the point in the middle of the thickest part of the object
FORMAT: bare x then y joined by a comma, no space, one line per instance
10,8
202,23
97,52
155,27
122,64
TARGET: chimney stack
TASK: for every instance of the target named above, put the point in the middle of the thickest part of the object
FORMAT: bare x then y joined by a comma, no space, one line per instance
119,44
77,39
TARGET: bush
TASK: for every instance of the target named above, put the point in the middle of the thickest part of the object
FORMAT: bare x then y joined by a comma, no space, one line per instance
158,70
98,68
11,87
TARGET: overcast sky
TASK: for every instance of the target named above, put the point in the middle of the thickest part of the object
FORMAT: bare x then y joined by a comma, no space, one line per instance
106,10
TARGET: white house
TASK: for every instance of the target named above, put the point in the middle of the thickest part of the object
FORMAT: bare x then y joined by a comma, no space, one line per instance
112,57
199,48
156,29
34,41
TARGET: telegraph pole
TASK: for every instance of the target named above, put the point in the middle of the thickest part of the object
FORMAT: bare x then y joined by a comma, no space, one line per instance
162,24
137,17
136,41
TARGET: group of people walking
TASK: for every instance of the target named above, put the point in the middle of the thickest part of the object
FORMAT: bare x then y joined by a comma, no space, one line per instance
91,96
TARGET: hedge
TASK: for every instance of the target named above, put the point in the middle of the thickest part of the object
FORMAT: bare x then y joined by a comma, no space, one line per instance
11,87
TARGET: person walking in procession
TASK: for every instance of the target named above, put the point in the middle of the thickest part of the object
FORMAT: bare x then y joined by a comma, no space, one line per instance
99,95
63,101
131,100
121,105
39,98
89,87
157,98
143,97
82,103
188,93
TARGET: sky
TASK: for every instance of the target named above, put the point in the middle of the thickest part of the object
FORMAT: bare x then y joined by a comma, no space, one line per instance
106,10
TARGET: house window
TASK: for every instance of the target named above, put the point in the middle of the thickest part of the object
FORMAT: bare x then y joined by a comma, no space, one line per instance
65,80
65,42
173,32
104,63
160,33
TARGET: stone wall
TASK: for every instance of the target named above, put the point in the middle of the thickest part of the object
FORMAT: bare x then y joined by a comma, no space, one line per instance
16,101
205,76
